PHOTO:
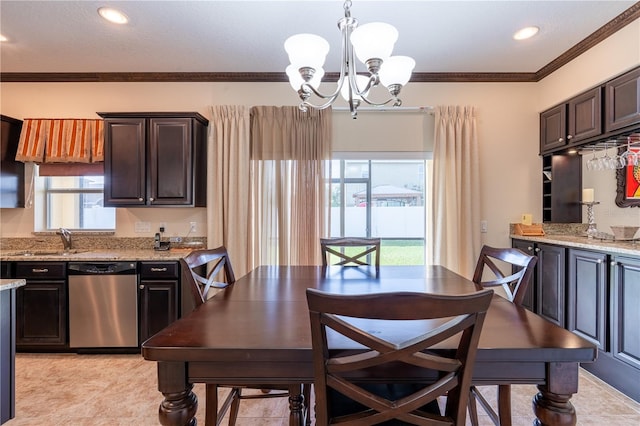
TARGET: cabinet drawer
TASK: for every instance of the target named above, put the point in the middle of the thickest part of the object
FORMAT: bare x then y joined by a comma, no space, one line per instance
155,270
41,270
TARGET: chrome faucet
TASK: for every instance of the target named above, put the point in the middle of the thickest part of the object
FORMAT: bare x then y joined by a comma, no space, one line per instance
65,235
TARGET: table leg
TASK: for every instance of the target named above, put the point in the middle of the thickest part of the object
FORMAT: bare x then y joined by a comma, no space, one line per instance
551,405
296,405
180,403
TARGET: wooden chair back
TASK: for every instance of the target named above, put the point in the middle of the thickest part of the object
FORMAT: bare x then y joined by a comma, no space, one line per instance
515,285
337,246
451,371
200,269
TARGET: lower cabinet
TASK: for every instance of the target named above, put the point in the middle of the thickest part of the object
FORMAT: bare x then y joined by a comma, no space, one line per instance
596,295
158,296
41,306
529,301
587,295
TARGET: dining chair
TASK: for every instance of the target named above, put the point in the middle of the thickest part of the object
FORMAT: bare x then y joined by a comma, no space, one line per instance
373,322
515,287
339,247
200,271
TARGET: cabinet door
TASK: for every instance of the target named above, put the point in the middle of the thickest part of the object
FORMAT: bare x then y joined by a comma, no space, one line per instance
529,298
170,161
585,116
41,308
125,162
622,102
551,283
566,184
11,171
158,306
625,311
587,295
553,128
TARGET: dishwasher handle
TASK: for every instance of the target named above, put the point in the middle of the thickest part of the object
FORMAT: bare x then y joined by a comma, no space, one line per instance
102,268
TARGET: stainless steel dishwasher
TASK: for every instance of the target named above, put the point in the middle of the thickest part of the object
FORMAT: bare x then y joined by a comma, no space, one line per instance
103,305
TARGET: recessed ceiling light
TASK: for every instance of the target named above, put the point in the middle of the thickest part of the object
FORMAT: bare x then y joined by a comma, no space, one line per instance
113,15
526,33
3,38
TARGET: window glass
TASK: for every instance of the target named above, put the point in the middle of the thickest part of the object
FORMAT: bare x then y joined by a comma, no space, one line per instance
385,199
76,202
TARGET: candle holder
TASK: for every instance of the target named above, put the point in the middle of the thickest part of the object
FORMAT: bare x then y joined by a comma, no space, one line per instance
592,231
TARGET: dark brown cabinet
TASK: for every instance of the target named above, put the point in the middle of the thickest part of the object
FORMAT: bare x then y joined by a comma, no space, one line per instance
155,159
571,122
158,297
561,189
587,285
622,100
41,306
11,171
546,295
551,283
625,306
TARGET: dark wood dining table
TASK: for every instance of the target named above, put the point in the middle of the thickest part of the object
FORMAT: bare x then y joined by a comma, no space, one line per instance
257,331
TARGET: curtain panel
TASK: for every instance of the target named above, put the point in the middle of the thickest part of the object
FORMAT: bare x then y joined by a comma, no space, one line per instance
290,155
228,188
456,190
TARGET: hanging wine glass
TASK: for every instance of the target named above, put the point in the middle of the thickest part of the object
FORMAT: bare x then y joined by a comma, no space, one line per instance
592,163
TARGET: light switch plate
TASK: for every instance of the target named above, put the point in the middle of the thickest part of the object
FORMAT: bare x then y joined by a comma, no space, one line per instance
527,219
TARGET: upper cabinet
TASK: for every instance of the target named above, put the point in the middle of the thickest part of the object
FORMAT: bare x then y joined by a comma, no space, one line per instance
593,115
155,159
623,101
571,122
11,171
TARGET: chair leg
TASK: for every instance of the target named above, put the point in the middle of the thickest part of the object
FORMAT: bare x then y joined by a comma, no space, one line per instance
306,393
235,407
211,405
504,405
473,409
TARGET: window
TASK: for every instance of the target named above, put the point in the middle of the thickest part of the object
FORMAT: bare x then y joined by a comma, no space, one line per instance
385,199
75,202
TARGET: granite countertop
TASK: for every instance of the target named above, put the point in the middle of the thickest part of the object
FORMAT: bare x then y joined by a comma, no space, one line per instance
611,246
88,255
9,283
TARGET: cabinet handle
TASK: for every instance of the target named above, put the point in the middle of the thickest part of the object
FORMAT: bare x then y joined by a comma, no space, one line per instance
140,199
40,270
158,269
569,137
151,199
613,263
560,140
529,248
599,261
141,287
537,250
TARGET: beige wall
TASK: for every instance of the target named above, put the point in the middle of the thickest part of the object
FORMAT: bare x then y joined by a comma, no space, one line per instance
507,124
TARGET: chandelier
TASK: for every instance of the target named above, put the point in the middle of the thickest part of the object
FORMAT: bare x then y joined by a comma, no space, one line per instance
371,43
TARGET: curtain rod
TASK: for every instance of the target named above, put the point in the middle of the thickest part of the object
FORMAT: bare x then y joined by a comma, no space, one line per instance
428,109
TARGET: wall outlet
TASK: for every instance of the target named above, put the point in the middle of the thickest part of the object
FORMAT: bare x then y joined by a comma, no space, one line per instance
175,239
192,226
483,226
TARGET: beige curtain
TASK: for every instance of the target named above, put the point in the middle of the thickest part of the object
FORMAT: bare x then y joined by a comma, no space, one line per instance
456,190
290,154
228,189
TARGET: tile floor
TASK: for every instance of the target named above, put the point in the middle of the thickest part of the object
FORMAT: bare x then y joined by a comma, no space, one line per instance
119,390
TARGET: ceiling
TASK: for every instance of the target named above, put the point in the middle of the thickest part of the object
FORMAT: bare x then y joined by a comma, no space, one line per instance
244,39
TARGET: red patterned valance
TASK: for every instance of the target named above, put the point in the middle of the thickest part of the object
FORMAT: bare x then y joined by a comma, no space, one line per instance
61,141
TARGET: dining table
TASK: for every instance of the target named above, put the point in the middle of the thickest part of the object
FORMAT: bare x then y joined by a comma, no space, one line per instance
257,331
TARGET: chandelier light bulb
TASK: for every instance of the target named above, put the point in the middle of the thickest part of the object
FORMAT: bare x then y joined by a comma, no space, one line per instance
361,82
396,70
306,50
374,41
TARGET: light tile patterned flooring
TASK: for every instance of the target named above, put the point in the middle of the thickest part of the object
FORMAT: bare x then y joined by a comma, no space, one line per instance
119,390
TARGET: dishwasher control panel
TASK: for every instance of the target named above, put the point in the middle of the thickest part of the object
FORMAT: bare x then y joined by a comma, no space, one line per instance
111,268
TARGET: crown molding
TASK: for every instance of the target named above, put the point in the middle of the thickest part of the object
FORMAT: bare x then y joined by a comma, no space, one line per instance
611,27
